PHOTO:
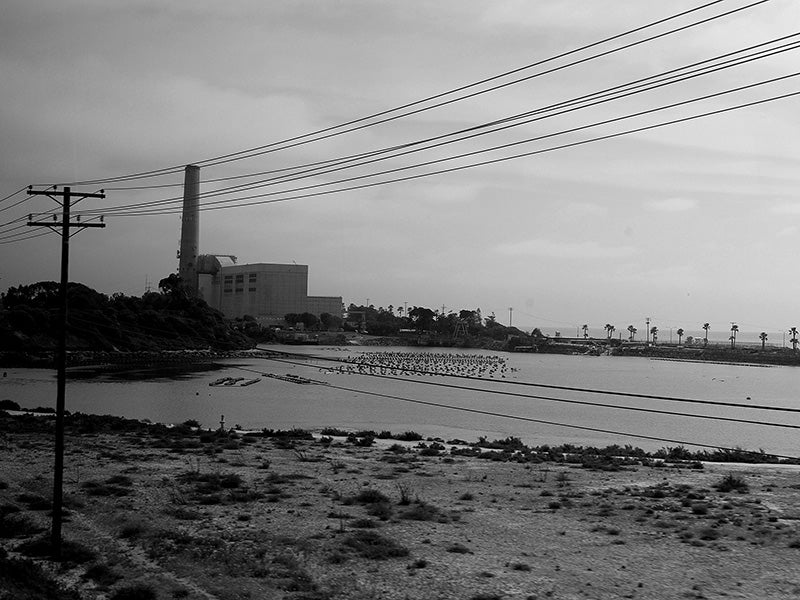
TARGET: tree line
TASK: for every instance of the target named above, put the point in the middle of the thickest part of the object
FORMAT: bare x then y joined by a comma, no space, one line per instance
167,319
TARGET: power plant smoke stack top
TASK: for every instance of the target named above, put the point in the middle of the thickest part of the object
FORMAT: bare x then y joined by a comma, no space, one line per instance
190,229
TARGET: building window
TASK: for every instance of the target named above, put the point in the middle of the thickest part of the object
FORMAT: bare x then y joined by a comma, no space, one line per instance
227,291
240,279
251,289
253,277
239,290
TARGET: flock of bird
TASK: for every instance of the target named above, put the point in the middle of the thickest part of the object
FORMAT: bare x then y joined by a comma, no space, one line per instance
426,363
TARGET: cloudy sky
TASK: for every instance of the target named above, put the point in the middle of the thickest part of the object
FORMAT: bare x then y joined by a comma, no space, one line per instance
687,223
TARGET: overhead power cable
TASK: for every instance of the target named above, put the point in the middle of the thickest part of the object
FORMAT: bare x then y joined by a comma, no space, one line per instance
14,239
554,423
5,198
240,201
609,94
557,387
502,85
560,400
259,149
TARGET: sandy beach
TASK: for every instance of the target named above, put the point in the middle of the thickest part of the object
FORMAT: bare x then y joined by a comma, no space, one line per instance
183,513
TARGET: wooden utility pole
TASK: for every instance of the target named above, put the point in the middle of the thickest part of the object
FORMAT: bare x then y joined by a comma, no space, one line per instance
64,198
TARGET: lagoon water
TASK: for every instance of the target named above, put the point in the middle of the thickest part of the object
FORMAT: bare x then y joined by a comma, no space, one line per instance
350,401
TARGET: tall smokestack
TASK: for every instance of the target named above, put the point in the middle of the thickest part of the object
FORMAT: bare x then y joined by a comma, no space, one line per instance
190,229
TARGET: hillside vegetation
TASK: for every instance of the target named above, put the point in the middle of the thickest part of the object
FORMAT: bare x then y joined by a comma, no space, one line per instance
156,321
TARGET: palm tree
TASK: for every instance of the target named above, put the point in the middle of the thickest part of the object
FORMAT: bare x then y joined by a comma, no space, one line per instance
585,329
680,335
654,333
632,330
609,330
763,337
794,340
734,329
706,326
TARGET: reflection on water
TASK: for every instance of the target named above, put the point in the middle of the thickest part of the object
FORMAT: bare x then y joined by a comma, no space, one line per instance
174,372
175,395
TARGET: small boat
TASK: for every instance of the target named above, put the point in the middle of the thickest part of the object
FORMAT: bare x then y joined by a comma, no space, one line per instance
220,381
233,380
249,382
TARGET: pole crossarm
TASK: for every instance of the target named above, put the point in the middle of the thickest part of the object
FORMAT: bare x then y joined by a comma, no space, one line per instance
66,191
62,224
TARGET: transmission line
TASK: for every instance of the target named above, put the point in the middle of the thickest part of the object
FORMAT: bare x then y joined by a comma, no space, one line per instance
229,203
641,85
610,94
241,154
552,423
553,387
564,400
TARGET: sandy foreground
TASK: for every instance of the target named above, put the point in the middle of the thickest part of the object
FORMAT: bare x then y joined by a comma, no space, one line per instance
205,517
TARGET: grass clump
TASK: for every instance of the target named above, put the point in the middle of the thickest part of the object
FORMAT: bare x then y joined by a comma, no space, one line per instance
102,575
35,501
372,545
364,523
71,552
22,578
422,511
732,483
458,548
15,525
96,488
371,496
136,591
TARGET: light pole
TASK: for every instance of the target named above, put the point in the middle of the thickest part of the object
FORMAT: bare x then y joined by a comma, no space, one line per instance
647,329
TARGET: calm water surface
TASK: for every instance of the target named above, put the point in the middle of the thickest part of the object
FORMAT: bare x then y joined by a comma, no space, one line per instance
278,404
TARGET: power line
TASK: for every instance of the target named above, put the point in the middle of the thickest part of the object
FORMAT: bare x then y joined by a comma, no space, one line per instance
215,160
503,85
547,422
19,191
613,93
559,387
670,77
562,400
221,204
14,239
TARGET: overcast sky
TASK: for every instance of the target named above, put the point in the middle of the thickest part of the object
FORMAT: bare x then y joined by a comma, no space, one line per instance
688,223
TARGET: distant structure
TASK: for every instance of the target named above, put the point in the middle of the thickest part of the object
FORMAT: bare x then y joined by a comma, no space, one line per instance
264,291
190,229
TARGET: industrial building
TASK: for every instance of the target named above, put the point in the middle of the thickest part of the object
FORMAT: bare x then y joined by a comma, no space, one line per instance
264,291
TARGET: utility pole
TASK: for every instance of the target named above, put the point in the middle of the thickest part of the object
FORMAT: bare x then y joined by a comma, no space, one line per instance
66,196
510,311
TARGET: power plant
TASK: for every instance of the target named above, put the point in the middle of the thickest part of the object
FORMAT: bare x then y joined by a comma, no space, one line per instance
265,291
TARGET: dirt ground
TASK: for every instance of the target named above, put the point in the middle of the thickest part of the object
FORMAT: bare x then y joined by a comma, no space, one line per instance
230,517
